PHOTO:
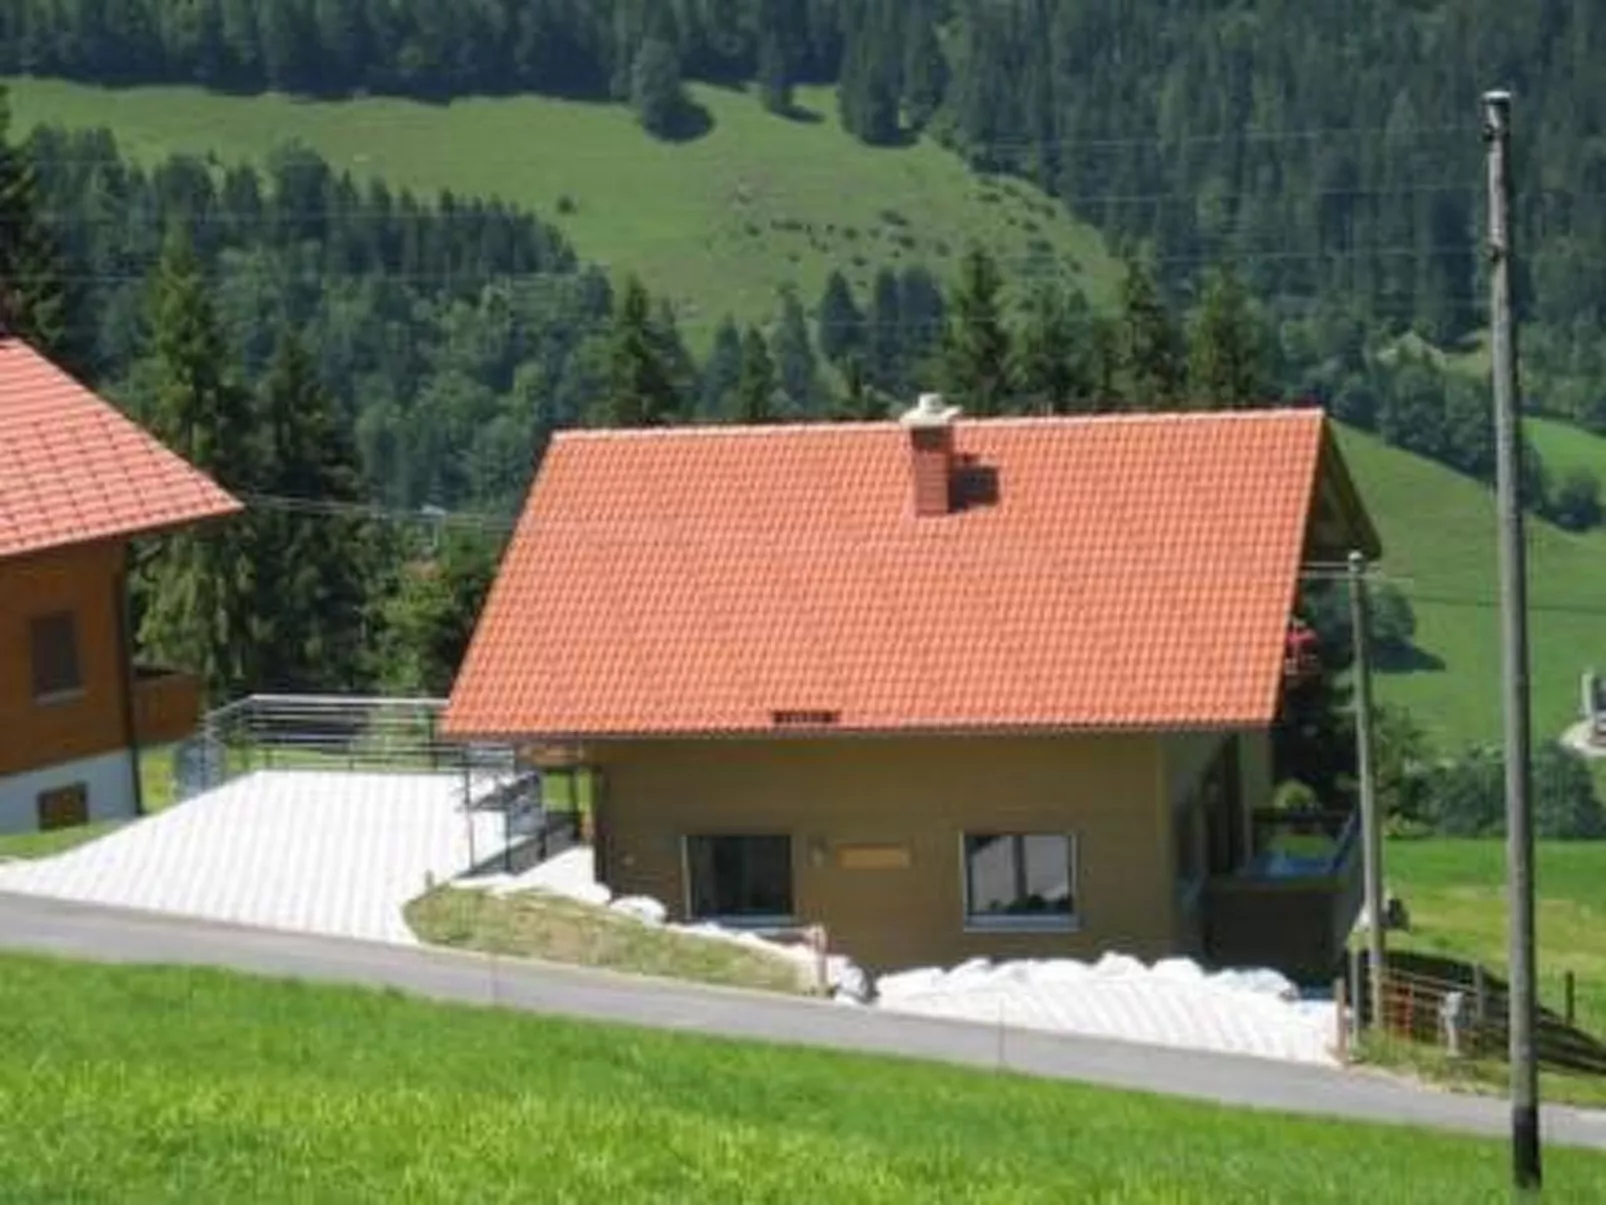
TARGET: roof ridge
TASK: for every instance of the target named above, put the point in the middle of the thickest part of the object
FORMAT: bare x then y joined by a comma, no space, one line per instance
1046,422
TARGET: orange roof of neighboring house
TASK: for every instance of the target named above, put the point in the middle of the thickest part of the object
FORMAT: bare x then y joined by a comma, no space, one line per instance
1132,571
73,469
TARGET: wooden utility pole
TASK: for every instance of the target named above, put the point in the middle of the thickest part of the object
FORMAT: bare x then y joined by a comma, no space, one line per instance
1513,647
1371,822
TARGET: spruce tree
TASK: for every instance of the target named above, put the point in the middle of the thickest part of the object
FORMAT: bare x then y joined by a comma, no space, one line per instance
755,390
1151,365
1055,355
722,369
1226,359
33,293
841,322
199,588
655,88
976,346
312,568
885,360
774,74
796,365
641,391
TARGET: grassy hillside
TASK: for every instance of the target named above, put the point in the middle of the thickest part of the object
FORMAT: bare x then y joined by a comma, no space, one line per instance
1438,531
1456,892
1565,448
140,1084
717,223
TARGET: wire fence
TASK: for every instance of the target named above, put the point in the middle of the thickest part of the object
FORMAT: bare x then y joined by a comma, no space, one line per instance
1463,1008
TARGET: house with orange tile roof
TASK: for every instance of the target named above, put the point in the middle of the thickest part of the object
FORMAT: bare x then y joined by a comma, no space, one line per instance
947,687
78,482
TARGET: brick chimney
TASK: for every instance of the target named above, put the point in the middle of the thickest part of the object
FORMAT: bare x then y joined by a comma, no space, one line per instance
931,453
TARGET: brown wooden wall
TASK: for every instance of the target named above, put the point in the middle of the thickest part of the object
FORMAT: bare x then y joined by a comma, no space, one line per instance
85,581
1112,792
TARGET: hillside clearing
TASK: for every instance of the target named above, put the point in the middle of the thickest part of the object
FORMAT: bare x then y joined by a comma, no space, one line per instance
718,223
168,1084
1439,542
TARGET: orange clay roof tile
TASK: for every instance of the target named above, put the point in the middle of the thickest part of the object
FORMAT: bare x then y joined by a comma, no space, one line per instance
73,469
1133,571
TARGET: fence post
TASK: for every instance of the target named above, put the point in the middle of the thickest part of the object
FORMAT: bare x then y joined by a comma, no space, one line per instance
1568,997
1480,1007
1356,991
1342,1019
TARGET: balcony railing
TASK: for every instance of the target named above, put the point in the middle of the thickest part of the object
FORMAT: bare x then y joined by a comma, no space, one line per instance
1293,904
167,705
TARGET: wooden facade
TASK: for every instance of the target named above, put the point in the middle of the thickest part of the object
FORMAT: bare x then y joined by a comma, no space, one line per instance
70,694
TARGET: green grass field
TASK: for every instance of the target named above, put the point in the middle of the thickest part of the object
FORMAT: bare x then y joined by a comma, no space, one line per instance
1456,893
1438,531
1564,447
150,1085
719,223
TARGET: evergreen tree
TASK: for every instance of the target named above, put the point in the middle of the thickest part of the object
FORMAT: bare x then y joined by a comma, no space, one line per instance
33,294
1226,357
655,88
1054,361
841,322
312,569
976,346
796,365
859,401
199,604
925,70
755,391
884,359
1151,367
722,369
867,95
641,392
774,74
429,618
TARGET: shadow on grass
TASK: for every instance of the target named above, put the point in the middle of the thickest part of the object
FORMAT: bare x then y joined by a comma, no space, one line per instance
1408,660
689,122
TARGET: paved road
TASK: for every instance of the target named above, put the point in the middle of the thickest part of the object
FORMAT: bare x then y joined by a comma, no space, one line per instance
114,935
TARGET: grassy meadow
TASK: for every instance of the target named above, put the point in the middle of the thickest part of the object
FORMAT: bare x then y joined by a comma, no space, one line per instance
718,223
1438,531
178,1084
1456,893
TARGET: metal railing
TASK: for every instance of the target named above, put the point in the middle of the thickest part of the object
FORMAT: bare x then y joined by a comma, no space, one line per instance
379,735
328,732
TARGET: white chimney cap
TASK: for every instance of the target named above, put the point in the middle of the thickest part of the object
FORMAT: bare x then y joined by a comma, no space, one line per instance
929,411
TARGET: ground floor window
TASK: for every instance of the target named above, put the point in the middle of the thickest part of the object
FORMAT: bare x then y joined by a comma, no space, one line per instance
747,877
1020,879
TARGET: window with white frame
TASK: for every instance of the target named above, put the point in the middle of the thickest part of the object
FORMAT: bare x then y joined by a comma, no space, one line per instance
1020,880
740,877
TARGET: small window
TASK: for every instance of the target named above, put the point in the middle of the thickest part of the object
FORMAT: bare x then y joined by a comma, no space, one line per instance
746,878
56,671
1020,880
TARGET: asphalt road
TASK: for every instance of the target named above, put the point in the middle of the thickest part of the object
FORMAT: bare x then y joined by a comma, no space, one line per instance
115,935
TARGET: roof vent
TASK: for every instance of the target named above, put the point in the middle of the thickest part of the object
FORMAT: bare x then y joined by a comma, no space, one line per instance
805,718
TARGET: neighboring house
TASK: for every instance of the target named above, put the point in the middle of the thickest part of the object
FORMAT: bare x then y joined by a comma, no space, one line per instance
949,688
77,482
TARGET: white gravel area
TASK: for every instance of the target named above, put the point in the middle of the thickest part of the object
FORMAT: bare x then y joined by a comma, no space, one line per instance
336,853
1174,1002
